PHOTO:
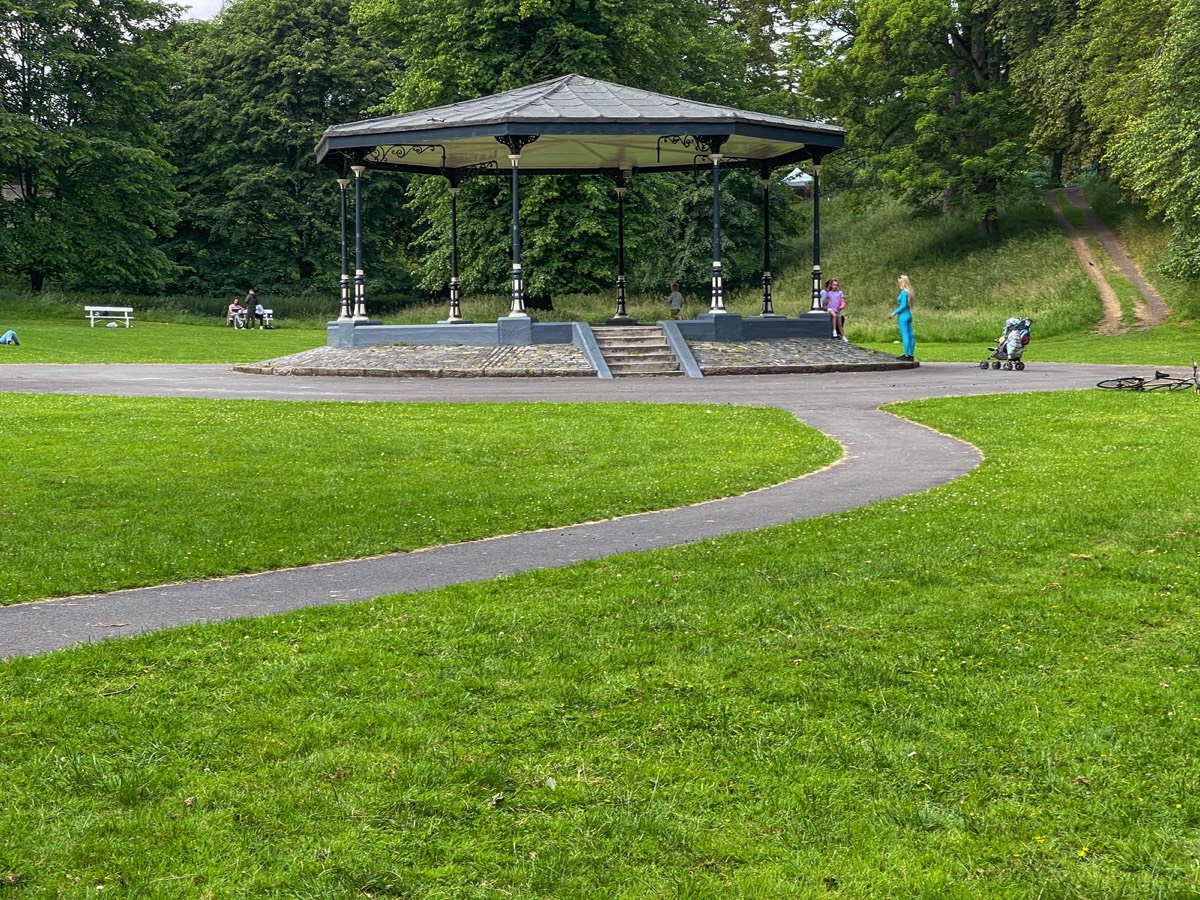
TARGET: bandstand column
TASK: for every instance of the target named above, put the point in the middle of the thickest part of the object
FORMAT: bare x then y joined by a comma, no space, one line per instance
360,281
768,307
518,278
621,317
717,306
515,142
455,304
816,273
346,310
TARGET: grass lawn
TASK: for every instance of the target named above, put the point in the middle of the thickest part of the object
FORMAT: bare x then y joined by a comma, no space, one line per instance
987,690
51,340
110,492
1172,346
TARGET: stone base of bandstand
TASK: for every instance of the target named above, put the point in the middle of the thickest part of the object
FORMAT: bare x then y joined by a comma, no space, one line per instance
521,346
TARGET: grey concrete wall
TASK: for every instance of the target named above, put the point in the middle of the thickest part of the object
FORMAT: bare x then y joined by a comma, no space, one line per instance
585,340
524,331
514,332
733,327
679,346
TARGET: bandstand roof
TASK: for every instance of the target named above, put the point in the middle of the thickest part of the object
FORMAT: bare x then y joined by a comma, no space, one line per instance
575,125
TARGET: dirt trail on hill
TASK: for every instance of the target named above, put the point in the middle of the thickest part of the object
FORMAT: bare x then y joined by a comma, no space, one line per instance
1149,308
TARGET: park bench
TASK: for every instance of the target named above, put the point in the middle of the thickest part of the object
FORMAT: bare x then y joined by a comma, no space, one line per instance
109,312
244,320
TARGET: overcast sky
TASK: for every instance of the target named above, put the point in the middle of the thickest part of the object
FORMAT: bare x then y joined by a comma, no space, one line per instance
201,9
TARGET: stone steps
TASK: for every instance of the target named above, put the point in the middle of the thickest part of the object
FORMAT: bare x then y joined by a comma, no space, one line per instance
636,350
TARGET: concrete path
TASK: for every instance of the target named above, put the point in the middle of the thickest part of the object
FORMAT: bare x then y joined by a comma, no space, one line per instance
885,457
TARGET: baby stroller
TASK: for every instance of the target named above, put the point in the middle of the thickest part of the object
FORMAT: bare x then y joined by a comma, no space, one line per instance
1010,346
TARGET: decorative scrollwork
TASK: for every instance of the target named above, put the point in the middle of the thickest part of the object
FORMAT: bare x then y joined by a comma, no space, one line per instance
393,153
707,144
682,140
476,169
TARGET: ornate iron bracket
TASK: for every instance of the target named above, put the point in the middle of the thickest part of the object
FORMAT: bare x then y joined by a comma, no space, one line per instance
516,142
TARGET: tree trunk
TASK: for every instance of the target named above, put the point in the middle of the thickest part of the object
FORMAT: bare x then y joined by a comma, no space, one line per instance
1056,167
989,225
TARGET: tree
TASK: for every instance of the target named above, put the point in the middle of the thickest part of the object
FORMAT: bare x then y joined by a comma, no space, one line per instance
923,89
1048,41
1157,154
80,86
265,79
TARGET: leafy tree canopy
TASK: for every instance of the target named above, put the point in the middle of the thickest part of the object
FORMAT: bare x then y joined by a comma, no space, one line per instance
1158,153
81,85
923,89
264,80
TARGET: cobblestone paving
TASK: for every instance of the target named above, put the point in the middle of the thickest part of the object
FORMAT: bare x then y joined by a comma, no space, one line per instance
425,361
714,358
786,355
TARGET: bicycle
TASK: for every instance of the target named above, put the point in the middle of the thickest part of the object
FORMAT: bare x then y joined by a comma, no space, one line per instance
1160,381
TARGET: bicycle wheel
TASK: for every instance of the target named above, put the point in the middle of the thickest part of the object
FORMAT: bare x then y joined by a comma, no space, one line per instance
1171,384
1121,384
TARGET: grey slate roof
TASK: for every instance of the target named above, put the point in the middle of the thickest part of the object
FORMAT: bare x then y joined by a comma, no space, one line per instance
580,125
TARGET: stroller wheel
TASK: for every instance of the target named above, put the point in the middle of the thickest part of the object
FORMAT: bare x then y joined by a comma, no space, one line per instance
983,365
996,364
1020,367
1008,367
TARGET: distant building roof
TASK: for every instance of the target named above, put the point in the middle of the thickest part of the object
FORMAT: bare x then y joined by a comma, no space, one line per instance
797,178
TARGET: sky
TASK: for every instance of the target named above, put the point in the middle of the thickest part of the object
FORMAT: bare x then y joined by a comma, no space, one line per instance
201,9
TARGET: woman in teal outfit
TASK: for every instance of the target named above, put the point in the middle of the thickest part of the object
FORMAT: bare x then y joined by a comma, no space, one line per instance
903,316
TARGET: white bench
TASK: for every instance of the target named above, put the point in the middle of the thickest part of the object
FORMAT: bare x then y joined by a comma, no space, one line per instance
246,319
109,312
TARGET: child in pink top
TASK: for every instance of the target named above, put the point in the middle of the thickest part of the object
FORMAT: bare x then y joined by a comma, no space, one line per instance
835,302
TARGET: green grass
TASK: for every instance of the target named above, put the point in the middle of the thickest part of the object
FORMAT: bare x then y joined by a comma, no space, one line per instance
1170,346
1070,210
51,341
988,690
109,492
966,286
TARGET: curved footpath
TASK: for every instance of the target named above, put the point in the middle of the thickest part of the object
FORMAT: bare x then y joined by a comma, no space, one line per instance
885,457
